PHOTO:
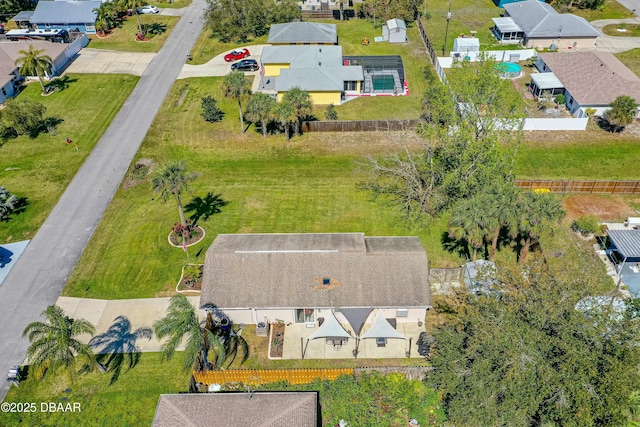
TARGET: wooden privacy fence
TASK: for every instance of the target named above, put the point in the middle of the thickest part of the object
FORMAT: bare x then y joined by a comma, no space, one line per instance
262,376
587,186
359,125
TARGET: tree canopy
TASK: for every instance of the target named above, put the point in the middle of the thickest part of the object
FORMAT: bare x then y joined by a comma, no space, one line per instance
525,356
241,20
622,111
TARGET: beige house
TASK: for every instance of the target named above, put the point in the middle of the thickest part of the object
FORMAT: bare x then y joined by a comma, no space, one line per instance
590,79
299,278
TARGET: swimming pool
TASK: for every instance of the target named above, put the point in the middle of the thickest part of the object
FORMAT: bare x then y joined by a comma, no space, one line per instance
509,70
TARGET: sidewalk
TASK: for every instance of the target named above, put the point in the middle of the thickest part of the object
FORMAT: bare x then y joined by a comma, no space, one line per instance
140,312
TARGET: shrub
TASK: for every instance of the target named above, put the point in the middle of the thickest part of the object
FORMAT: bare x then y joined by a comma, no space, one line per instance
331,113
210,110
586,224
560,99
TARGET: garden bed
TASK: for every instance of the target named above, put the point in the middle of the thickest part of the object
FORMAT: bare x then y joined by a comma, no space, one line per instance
191,278
197,234
276,342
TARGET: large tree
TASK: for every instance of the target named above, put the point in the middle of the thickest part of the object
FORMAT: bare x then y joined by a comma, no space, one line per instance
117,346
54,342
525,356
106,16
171,180
462,154
23,116
259,110
622,111
236,86
384,10
301,102
469,223
34,62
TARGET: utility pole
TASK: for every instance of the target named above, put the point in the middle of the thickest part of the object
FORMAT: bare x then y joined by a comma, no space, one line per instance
446,31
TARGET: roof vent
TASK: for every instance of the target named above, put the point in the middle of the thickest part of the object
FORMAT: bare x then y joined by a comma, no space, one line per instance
326,281
320,50
319,64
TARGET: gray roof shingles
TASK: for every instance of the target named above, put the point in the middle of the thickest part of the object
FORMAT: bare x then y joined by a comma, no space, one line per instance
303,32
286,271
65,12
592,78
259,409
540,20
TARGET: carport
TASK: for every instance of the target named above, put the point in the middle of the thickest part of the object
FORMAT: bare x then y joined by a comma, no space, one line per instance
626,244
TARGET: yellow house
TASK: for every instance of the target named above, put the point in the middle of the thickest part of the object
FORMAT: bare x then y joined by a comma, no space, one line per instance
303,33
319,70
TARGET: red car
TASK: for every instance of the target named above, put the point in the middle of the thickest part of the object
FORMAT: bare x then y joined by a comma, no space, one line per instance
236,54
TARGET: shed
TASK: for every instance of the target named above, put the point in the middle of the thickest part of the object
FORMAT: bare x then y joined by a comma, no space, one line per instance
395,31
466,44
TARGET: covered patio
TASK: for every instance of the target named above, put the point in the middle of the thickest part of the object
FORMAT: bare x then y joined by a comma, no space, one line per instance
352,333
507,31
625,254
545,84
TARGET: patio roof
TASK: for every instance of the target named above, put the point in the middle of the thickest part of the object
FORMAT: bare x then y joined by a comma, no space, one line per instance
546,81
381,328
330,328
25,15
506,25
356,317
626,241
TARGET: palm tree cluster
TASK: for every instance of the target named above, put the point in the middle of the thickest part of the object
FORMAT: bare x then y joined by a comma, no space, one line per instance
503,209
108,13
261,108
209,346
34,62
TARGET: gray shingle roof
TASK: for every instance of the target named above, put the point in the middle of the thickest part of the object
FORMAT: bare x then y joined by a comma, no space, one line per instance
303,32
318,79
593,78
287,271
25,15
303,56
540,20
626,241
259,409
65,12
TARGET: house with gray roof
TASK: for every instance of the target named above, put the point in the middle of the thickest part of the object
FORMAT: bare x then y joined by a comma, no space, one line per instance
66,15
590,79
300,277
320,70
303,33
9,76
255,409
536,24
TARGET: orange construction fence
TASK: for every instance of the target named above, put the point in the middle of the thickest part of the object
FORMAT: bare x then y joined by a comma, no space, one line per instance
262,376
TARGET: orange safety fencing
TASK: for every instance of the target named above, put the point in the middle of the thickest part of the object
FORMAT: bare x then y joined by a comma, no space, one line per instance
262,376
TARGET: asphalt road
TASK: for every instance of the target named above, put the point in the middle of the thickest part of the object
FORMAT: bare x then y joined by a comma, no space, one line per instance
38,277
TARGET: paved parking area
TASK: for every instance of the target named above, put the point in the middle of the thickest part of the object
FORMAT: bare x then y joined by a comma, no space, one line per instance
97,61
216,67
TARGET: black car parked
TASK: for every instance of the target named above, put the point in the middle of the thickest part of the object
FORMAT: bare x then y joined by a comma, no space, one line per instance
245,65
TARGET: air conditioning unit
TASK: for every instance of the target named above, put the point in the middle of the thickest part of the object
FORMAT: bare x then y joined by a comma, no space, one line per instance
262,329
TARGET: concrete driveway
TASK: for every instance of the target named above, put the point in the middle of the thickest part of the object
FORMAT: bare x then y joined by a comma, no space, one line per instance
172,12
217,67
615,44
98,61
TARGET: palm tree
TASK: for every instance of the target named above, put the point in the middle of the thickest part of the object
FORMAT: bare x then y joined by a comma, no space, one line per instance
8,204
53,342
622,112
181,320
118,343
210,205
301,101
501,211
171,179
236,86
536,211
468,223
133,5
105,16
33,62
228,334
284,114
259,109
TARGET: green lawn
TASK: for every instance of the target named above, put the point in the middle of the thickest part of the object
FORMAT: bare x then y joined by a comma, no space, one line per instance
40,169
173,4
631,59
611,10
124,38
631,30
131,401
307,185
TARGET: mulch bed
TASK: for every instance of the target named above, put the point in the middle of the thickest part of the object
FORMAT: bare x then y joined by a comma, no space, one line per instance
197,234
187,283
277,340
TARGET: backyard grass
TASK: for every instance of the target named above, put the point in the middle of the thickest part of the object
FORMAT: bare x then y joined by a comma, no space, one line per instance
131,401
306,185
41,168
631,59
124,38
